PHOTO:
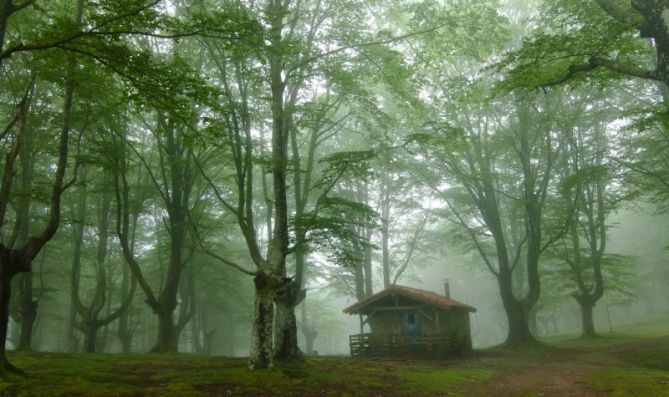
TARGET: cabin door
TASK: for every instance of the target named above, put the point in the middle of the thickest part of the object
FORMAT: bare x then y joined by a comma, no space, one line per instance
411,324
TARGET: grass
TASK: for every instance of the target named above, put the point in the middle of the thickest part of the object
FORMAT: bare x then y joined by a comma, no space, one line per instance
645,370
652,326
633,382
187,375
632,361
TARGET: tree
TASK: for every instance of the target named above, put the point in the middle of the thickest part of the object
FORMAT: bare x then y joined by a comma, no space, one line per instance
503,172
175,185
19,259
91,319
25,304
584,246
289,63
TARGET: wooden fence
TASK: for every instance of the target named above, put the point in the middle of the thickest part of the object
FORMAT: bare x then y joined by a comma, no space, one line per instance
367,345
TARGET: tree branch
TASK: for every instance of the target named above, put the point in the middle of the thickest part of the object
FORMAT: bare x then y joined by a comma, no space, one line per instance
619,13
19,7
207,251
358,45
594,63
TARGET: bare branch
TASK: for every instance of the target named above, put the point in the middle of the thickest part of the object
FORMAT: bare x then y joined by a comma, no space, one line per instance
207,251
316,57
211,183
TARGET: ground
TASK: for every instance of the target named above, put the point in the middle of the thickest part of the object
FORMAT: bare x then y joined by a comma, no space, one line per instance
631,362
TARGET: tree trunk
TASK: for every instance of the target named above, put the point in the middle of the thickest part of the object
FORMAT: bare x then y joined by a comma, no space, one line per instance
286,299
196,343
166,341
208,346
90,337
367,275
125,337
308,331
28,308
532,322
385,229
5,293
261,334
124,333
6,10
517,316
310,339
519,330
285,344
587,321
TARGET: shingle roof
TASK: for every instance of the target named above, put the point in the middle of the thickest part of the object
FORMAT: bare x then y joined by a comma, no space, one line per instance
420,295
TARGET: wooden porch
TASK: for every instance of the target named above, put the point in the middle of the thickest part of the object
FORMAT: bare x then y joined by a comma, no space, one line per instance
369,345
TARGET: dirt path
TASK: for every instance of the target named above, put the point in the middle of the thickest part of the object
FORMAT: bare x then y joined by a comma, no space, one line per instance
555,373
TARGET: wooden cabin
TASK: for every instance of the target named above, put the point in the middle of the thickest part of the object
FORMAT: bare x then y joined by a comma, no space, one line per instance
410,321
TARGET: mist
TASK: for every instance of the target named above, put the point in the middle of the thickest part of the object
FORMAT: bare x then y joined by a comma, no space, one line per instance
405,198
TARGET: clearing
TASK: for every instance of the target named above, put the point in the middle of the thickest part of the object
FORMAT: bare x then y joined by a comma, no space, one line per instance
634,362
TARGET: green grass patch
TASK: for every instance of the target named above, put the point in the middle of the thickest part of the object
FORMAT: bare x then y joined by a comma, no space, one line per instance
633,382
437,380
653,325
187,375
650,326
602,342
656,357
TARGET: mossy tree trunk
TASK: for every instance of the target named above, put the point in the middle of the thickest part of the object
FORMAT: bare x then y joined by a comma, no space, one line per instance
261,353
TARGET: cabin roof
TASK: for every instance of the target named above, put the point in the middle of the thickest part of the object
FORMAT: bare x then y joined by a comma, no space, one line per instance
427,297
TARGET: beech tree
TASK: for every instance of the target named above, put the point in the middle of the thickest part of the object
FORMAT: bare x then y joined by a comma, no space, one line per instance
19,259
594,198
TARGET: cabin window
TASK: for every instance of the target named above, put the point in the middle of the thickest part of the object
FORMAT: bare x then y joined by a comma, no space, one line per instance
412,319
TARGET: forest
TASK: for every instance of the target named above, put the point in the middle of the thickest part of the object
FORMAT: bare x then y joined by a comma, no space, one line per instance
334,197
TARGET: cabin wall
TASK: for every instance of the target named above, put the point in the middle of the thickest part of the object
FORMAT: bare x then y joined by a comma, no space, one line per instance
386,323
455,325
452,324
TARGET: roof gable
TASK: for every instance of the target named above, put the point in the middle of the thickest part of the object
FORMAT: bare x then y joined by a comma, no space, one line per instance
426,297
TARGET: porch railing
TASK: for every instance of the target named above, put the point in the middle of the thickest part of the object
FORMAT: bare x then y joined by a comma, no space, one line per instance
364,345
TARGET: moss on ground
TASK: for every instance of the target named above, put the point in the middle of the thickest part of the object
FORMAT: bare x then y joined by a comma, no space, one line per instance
632,362
186,375
656,357
633,382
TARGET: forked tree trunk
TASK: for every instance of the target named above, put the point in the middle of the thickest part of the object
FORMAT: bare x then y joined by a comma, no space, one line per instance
519,330
517,316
